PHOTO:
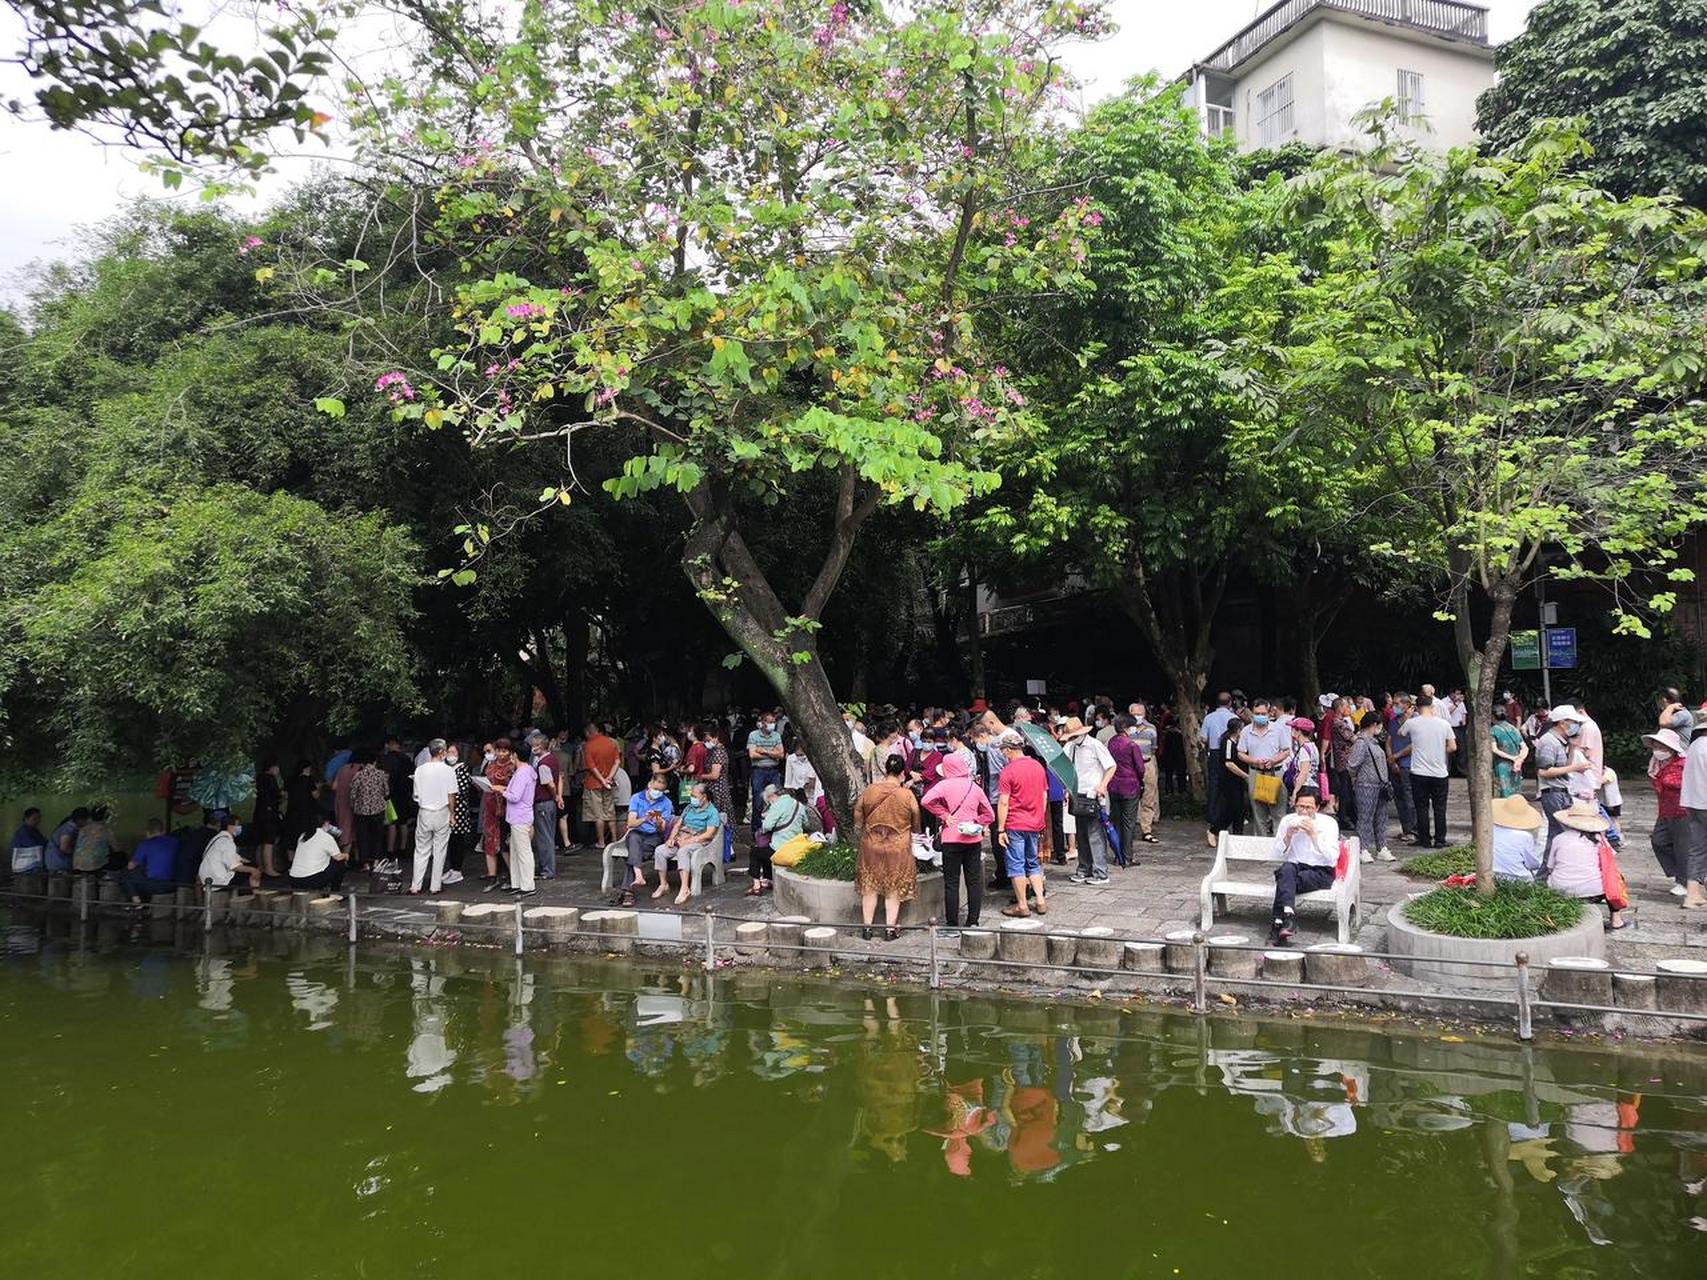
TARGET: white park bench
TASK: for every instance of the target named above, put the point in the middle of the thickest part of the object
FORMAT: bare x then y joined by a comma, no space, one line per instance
1345,896
708,854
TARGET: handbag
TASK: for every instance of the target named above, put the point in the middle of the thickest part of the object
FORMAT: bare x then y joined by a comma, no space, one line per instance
1265,788
1611,878
1086,807
390,813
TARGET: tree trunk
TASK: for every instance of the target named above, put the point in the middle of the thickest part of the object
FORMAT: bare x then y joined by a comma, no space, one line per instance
1481,681
724,574
1175,609
974,637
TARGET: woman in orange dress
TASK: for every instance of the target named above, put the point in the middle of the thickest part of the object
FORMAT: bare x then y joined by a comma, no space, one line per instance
885,818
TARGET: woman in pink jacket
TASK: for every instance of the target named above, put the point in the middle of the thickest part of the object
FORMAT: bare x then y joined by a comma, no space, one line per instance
961,806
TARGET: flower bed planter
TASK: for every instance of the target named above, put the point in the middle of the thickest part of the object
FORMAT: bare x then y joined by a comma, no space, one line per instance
1430,956
837,901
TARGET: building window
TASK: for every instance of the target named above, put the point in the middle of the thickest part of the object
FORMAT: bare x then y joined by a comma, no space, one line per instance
1274,113
1410,97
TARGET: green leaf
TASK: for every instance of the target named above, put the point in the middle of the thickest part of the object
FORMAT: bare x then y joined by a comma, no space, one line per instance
331,406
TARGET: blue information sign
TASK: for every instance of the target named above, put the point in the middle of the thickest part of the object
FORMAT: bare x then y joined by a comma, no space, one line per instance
1561,648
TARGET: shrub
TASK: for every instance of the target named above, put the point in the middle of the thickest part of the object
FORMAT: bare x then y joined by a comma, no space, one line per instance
1514,911
829,862
1437,864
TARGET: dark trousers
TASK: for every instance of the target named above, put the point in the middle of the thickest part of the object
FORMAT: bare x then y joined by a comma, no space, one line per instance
328,877
1057,832
759,862
1123,812
1405,802
1345,796
1214,773
370,837
137,885
762,778
1291,879
641,846
1430,795
962,861
1554,799
1670,839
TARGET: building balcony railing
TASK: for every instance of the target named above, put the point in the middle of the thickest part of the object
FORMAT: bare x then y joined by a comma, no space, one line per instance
1450,18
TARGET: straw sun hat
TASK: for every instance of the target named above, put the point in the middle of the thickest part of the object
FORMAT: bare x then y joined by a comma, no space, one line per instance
1516,813
1583,816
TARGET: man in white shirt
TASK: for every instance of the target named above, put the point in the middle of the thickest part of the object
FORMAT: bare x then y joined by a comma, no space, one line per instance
1694,800
435,793
319,861
221,862
1310,843
1264,747
1094,767
1432,744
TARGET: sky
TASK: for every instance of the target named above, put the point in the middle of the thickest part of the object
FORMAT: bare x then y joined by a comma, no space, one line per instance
57,182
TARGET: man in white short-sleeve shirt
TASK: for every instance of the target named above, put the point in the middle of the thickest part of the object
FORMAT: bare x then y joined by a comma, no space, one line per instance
1432,744
1310,842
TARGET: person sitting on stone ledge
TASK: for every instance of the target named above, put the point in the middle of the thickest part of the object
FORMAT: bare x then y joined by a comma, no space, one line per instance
319,861
150,868
1310,843
221,863
1516,855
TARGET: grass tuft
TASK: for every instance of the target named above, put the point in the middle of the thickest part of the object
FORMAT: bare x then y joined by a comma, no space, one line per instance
1437,864
829,862
1514,911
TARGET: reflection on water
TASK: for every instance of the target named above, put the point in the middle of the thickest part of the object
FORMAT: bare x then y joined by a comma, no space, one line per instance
1523,1161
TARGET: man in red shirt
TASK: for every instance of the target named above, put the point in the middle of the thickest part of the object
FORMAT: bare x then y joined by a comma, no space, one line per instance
1022,807
602,757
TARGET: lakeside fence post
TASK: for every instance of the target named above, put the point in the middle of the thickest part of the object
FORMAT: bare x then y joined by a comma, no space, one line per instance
1525,1029
710,941
1199,983
207,910
350,903
936,973
520,939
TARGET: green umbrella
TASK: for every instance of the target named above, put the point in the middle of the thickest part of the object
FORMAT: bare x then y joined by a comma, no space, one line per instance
1050,752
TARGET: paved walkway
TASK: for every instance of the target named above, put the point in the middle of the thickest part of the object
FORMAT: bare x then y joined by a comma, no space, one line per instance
1162,894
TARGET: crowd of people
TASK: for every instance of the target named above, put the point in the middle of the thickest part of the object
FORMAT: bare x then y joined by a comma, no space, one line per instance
1037,785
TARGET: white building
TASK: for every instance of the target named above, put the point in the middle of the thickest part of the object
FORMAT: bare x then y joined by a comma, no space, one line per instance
1303,69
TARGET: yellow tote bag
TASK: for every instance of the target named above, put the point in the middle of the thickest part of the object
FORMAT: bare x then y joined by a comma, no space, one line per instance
792,850
1265,788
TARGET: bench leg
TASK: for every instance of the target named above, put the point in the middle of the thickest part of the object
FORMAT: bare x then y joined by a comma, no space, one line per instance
605,880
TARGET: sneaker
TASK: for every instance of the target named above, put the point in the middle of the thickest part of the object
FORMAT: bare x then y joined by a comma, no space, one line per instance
526,893
1078,877
1366,856
1384,854
1678,891
1097,882
494,884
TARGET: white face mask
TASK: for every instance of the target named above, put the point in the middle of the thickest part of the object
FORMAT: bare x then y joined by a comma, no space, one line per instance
653,792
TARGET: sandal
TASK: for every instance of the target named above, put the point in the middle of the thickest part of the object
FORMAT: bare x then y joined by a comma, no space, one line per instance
1149,839
1018,913
627,900
755,891
1042,907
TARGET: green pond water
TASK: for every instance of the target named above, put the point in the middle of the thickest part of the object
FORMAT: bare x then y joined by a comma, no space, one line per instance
277,1105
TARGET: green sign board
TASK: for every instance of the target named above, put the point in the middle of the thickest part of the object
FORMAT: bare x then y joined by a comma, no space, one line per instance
1525,651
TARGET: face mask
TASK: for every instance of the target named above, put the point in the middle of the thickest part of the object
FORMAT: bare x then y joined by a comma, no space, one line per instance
915,739
1572,730
1132,732
237,831
653,792
1259,721
333,831
490,757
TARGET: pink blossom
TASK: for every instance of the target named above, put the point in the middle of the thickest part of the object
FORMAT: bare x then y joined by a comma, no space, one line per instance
395,385
605,396
524,311
249,242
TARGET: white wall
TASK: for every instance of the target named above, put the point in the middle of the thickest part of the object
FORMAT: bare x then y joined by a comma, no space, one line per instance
1302,58
1362,67
1340,66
